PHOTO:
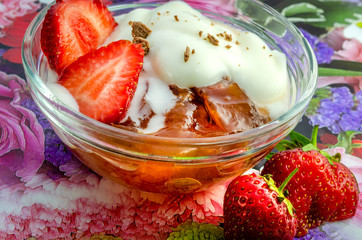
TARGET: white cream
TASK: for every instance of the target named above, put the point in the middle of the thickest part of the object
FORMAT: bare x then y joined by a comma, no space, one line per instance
245,58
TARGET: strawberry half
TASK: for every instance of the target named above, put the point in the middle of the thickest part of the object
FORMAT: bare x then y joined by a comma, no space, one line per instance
72,28
103,82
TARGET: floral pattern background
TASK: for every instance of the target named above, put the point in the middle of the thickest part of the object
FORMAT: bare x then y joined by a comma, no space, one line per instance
46,193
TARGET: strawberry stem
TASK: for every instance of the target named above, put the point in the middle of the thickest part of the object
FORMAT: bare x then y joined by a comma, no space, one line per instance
314,136
282,186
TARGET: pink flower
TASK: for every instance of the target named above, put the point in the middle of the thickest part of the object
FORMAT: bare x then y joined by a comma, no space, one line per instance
351,50
345,49
223,7
11,9
88,205
22,137
13,36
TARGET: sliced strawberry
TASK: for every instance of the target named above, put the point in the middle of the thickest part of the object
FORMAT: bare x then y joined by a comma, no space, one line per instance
103,82
72,28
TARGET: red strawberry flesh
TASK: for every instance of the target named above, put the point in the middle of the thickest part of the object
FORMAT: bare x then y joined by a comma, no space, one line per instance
103,82
72,28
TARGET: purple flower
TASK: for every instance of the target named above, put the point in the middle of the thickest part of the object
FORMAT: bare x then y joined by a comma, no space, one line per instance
321,50
351,121
55,151
315,234
22,137
338,110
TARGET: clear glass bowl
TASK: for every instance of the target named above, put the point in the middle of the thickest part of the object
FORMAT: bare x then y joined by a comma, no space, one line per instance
178,165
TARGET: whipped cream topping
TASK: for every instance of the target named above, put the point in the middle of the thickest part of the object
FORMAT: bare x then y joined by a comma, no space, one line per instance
216,51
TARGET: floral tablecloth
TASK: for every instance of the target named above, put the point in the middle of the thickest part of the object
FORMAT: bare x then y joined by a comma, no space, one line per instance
46,193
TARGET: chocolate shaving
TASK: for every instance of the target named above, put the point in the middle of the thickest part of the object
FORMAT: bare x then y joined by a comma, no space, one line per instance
200,33
213,40
226,78
140,30
228,37
176,18
144,43
187,54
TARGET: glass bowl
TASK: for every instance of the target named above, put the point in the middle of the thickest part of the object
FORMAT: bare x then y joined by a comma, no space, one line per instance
178,165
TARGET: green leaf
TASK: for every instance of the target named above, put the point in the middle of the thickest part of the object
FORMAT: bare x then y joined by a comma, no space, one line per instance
327,72
269,156
356,145
345,140
314,135
310,147
321,93
303,12
299,139
335,12
285,145
341,68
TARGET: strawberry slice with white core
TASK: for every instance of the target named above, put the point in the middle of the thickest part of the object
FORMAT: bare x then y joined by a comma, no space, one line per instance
72,28
103,82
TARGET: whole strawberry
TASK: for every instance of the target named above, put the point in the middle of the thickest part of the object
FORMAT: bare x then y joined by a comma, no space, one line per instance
322,190
348,187
254,208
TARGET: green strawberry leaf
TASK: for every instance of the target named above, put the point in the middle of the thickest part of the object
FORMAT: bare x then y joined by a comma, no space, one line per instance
269,156
299,139
280,191
285,145
331,159
309,147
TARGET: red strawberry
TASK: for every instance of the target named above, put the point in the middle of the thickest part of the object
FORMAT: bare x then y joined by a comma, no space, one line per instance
317,193
72,28
309,187
348,187
103,82
254,208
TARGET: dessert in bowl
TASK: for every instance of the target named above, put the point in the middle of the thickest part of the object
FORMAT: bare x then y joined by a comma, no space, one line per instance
212,97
